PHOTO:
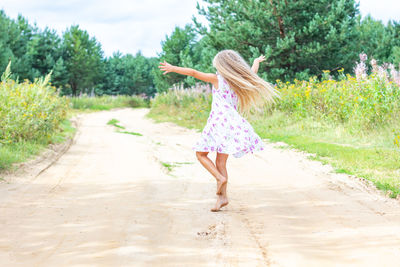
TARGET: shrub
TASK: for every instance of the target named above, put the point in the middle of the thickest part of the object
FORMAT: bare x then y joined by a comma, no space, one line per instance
29,111
366,103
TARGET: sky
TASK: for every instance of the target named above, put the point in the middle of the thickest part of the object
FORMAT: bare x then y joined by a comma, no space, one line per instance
132,25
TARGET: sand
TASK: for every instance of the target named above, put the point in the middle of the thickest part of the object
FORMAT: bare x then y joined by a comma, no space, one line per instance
109,201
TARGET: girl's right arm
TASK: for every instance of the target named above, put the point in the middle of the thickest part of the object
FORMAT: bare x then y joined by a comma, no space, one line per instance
206,77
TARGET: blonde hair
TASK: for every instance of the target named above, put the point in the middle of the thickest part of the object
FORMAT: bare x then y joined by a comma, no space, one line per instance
252,91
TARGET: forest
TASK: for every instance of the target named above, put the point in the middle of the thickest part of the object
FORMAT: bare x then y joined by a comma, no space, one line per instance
300,39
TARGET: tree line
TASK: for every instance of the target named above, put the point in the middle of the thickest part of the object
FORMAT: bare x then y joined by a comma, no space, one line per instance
300,39
76,60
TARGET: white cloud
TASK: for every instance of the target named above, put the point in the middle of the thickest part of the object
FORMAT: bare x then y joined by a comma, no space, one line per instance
384,10
124,25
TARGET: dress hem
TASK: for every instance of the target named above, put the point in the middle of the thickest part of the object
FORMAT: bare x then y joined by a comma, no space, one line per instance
237,154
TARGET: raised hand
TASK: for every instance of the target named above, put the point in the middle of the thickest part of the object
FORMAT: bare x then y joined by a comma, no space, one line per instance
256,63
166,67
260,59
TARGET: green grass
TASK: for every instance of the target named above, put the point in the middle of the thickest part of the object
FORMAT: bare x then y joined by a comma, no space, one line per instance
170,165
371,155
107,102
115,122
66,131
165,113
379,165
368,154
29,110
167,165
131,133
24,150
32,116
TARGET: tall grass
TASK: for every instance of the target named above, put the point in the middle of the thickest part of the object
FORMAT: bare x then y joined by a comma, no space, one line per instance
29,111
183,105
32,115
365,104
107,102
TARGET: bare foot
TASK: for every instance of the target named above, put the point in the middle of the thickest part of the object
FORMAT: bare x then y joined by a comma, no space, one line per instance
220,183
221,202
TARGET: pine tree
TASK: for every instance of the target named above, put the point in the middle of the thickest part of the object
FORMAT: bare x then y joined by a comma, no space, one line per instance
184,48
298,37
83,58
14,37
175,48
128,74
43,51
60,76
7,27
374,39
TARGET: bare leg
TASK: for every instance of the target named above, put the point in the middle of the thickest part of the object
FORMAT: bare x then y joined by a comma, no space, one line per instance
220,163
209,165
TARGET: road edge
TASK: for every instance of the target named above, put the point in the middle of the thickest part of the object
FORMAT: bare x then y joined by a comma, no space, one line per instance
32,168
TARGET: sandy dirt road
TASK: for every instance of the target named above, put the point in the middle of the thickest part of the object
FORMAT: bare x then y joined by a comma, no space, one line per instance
108,201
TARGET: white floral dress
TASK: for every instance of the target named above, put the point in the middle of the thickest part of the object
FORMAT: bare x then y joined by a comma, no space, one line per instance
226,130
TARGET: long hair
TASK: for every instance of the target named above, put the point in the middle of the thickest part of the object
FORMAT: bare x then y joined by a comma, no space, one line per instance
252,91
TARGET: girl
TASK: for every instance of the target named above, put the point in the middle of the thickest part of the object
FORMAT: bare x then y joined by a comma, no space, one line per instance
236,87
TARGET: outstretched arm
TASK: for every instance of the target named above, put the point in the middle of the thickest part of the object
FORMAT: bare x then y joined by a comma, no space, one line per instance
206,77
256,63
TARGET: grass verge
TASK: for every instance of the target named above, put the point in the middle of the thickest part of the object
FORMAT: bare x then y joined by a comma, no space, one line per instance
107,102
370,155
18,152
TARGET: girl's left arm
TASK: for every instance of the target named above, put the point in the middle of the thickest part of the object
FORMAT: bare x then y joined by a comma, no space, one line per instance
256,63
206,77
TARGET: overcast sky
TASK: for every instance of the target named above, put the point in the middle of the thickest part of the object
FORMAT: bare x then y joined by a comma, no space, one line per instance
132,25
